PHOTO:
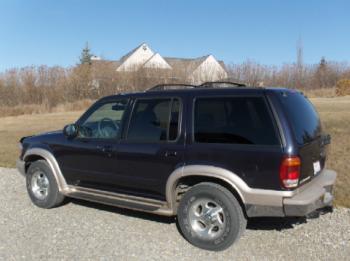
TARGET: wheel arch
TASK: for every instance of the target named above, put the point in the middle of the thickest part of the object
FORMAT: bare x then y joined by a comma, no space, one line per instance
31,159
195,174
34,154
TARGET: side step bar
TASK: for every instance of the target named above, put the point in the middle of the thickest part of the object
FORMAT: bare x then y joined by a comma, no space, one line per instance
120,200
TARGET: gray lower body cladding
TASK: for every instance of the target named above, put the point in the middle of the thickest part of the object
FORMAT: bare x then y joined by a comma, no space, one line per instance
20,165
316,194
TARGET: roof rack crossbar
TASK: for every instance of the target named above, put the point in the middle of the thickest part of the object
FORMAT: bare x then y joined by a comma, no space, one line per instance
174,86
169,86
216,83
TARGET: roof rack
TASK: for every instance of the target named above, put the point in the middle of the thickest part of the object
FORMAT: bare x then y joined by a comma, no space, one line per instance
175,86
221,84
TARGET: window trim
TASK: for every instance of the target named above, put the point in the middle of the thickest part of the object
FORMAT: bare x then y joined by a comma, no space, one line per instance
171,99
276,129
276,121
95,107
179,120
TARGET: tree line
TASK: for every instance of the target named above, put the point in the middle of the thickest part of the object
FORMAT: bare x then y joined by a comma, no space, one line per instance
51,86
297,76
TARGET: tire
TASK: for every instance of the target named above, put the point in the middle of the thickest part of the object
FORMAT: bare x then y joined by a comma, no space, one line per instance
42,185
210,217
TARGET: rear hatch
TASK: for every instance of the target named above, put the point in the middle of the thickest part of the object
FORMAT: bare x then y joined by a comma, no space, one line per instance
306,125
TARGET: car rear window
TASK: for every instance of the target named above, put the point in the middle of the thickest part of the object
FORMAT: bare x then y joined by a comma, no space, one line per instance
235,120
302,116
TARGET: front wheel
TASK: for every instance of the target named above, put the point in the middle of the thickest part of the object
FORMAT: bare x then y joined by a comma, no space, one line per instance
42,186
210,217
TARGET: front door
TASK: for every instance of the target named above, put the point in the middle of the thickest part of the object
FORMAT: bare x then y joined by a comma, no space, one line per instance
89,160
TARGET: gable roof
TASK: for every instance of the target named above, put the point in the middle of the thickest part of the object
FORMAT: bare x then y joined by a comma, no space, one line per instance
180,65
113,63
125,57
157,56
185,64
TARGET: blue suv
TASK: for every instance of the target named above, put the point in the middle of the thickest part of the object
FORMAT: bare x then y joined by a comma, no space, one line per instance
213,155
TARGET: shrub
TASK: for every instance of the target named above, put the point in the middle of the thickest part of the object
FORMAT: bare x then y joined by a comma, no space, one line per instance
343,87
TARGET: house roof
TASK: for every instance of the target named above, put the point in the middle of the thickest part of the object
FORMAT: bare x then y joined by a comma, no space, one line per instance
222,64
107,62
187,64
123,58
160,57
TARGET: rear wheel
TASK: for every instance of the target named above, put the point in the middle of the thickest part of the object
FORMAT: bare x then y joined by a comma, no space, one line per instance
210,217
42,187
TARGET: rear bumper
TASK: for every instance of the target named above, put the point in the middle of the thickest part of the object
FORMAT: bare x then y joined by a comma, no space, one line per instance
316,194
20,165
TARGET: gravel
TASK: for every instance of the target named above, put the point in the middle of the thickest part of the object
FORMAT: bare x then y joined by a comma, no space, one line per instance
86,231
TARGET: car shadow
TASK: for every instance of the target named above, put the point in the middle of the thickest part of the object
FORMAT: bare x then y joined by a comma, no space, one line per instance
274,223
282,223
258,223
124,211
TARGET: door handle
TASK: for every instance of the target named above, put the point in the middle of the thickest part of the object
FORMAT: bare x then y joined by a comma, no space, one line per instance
105,149
170,154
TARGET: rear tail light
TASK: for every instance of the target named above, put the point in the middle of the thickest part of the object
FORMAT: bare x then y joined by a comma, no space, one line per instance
290,172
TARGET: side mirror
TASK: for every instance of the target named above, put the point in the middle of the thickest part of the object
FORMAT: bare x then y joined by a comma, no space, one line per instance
71,130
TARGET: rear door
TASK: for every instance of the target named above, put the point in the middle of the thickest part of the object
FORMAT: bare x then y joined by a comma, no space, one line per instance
153,146
306,126
236,132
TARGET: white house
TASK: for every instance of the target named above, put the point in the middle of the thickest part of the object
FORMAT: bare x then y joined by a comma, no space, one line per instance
196,70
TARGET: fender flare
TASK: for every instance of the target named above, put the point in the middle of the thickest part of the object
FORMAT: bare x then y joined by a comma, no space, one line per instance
248,195
51,160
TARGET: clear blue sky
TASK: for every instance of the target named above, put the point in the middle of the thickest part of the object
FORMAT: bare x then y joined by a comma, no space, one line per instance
54,32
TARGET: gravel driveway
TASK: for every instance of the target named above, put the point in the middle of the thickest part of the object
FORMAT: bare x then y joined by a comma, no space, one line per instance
86,231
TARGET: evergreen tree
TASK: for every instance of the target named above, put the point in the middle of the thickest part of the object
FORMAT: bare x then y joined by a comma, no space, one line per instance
322,73
323,65
85,57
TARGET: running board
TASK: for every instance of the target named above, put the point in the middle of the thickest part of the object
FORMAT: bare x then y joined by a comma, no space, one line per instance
120,200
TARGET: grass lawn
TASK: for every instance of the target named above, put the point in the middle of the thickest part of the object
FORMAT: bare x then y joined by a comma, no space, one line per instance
14,127
335,115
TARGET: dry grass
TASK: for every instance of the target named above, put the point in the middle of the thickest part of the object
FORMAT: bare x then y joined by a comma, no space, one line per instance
44,108
85,103
323,92
335,115
14,127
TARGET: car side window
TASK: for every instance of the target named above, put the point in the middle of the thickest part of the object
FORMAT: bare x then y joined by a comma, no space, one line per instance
237,120
105,122
154,120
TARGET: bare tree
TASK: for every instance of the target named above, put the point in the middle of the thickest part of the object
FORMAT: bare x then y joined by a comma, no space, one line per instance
299,74
52,86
